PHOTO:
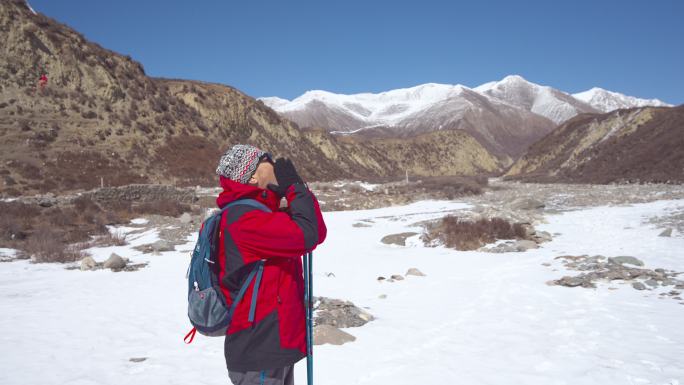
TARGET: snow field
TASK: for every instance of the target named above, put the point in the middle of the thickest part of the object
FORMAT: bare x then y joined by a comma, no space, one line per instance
476,318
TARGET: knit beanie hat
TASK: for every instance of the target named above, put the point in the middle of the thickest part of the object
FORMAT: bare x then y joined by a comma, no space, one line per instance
240,162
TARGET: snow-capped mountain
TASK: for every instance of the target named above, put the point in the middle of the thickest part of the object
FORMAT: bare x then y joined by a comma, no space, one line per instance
391,108
506,116
501,128
504,129
606,101
542,100
364,110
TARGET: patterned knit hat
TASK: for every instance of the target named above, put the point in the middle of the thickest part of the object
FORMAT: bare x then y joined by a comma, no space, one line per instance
240,162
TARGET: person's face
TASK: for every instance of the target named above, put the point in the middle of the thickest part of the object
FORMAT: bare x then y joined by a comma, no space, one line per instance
263,175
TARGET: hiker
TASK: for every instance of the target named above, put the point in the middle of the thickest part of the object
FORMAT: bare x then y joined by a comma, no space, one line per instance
264,351
43,80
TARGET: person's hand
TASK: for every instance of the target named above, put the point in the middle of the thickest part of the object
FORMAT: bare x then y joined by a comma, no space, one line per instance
285,174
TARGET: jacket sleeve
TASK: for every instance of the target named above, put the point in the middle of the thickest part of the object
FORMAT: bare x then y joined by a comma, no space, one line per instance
260,234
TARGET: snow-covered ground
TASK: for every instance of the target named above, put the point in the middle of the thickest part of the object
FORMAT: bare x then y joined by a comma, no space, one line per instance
476,318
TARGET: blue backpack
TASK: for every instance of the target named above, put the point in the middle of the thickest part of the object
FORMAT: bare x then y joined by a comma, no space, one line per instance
207,308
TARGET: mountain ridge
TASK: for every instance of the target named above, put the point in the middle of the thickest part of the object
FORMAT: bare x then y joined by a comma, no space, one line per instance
282,104
571,104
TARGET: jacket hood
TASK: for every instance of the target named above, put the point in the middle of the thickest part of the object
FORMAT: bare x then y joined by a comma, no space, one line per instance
233,191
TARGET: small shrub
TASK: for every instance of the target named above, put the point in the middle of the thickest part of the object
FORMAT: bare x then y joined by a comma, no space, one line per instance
46,245
355,188
142,127
112,239
14,221
89,115
471,235
85,204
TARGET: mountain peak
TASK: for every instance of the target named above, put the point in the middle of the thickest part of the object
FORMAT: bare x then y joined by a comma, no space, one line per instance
606,101
510,81
514,78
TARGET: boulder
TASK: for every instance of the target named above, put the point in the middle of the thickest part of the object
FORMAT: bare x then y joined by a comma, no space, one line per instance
526,203
415,272
505,247
185,219
666,233
397,239
524,245
651,282
47,200
626,259
570,281
115,262
161,246
88,263
542,236
638,286
397,277
327,334
339,313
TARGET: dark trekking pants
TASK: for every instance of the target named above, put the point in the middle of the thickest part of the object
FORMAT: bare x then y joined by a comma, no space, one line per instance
280,376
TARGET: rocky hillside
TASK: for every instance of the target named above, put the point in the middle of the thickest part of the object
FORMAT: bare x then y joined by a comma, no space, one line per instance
100,119
635,145
437,153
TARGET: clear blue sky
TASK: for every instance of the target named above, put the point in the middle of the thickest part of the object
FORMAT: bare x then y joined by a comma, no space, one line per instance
284,48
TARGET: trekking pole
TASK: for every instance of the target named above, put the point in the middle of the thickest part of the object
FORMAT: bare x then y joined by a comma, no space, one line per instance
308,306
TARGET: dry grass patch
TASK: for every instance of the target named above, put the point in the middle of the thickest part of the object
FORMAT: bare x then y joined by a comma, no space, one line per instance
59,233
47,245
116,238
471,235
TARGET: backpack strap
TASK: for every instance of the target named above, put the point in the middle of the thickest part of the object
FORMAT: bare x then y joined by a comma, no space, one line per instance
258,269
248,202
255,291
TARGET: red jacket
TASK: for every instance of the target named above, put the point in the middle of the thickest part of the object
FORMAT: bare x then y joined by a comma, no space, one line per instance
277,337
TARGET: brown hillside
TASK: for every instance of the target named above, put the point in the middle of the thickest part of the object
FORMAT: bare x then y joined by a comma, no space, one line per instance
631,145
